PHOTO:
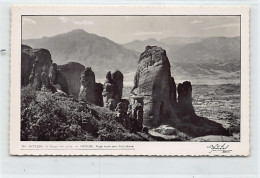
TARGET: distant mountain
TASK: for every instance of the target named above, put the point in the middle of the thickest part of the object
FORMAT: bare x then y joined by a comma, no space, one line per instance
192,58
180,41
88,49
210,60
209,50
139,46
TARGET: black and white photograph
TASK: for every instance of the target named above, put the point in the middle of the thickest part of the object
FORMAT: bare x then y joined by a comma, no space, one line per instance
130,78
120,80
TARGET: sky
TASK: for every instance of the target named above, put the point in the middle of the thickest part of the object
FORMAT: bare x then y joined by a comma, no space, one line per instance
123,29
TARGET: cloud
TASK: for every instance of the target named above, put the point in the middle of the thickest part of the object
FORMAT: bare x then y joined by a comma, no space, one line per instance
221,26
84,22
28,21
196,21
64,19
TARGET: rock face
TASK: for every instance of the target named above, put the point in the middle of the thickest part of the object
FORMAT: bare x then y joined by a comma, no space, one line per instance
185,98
67,77
90,90
27,63
46,82
117,82
34,62
153,80
57,79
113,88
71,73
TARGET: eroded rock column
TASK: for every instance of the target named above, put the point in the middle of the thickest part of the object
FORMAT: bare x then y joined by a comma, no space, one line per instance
153,81
89,90
185,98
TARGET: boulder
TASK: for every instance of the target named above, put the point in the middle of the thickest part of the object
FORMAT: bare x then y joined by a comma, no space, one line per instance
90,91
153,80
166,130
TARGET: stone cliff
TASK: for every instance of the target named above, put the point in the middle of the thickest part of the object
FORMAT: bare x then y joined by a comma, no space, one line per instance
33,63
153,81
65,77
71,73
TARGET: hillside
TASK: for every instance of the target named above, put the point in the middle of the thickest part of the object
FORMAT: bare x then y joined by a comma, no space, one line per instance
55,117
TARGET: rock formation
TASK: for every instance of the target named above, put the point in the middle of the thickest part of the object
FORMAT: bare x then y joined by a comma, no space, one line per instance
117,82
136,114
90,90
113,88
71,73
122,117
57,79
185,98
26,64
108,90
34,62
64,77
153,81
46,82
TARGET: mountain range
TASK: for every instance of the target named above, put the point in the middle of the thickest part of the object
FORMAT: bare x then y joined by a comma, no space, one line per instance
198,59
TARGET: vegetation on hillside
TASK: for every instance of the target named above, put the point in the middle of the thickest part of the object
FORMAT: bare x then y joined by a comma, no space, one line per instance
55,117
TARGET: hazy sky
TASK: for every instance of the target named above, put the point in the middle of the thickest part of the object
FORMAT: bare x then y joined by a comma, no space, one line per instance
123,29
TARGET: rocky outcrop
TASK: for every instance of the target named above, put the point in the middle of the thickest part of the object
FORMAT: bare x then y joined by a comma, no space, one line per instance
90,91
153,80
26,64
67,77
57,79
46,82
112,88
117,82
71,73
184,105
34,62
64,77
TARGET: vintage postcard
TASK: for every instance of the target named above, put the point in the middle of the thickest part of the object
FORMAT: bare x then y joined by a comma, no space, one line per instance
130,80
